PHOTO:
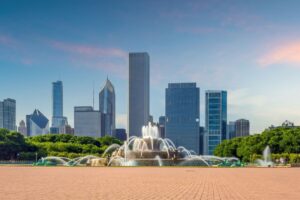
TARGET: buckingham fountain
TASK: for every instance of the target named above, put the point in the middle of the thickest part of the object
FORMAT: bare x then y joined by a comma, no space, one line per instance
148,150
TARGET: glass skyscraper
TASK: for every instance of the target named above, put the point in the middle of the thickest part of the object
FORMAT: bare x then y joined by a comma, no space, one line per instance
182,115
8,114
58,120
37,124
107,107
215,119
139,94
57,99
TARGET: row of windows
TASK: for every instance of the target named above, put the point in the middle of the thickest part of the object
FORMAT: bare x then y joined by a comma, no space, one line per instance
216,94
214,138
213,142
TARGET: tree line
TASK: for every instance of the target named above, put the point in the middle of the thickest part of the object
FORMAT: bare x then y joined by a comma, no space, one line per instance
283,141
14,146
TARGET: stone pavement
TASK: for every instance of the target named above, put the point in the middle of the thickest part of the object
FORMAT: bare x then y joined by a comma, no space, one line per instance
86,183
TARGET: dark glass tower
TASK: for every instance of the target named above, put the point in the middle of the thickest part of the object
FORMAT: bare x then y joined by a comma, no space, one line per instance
182,115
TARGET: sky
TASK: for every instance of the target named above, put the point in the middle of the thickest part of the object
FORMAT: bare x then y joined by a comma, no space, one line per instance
249,48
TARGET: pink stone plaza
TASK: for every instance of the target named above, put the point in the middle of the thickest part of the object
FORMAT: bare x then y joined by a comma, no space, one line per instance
93,183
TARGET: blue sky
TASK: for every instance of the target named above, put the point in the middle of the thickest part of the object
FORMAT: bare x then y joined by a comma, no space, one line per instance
251,49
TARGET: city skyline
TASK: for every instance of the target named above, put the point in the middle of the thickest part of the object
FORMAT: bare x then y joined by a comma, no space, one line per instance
245,48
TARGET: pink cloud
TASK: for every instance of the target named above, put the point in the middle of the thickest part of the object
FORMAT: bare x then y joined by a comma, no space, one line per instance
88,50
287,53
8,41
110,60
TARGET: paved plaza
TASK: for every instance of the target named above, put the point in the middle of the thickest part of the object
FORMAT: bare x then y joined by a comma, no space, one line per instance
59,183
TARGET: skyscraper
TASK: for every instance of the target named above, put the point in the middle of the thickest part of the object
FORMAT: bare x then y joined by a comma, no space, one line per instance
37,124
58,120
242,128
87,121
107,107
182,115
22,128
139,84
231,130
215,119
162,126
8,114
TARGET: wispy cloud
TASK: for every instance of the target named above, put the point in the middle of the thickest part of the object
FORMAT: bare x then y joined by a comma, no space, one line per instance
88,50
288,53
243,97
111,60
8,41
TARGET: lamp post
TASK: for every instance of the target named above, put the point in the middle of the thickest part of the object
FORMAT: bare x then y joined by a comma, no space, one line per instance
36,154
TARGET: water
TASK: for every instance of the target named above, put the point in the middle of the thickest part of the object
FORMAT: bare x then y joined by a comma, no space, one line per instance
148,150
151,149
159,161
267,158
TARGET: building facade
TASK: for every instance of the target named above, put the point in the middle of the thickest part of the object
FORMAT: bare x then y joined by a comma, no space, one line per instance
120,134
8,114
107,107
162,126
231,130
87,121
183,115
215,119
242,128
22,128
139,92
58,120
37,124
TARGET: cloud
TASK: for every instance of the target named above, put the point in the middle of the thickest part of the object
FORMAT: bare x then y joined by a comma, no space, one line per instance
285,54
88,50
121,121
8,41
111,60
243,97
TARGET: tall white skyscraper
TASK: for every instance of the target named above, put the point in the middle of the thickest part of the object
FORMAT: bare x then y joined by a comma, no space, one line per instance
139,92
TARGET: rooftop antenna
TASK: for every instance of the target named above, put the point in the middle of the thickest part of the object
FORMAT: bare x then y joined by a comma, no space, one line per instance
93,95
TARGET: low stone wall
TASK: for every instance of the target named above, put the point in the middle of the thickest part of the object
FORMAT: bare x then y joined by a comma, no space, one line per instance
295,165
